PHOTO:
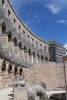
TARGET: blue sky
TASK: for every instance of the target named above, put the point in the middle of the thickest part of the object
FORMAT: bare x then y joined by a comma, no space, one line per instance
46,18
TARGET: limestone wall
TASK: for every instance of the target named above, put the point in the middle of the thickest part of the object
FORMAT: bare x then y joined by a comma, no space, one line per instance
51,73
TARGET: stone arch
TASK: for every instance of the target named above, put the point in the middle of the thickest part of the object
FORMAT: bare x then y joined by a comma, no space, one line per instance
42,58
46,59
20,45
4,66
10,68
15,40
3,27
20,71
15,70
29,51
25,48
3,2
9,36
33,54
38,57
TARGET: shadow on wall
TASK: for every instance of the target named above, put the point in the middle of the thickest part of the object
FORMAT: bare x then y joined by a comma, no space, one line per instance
58,97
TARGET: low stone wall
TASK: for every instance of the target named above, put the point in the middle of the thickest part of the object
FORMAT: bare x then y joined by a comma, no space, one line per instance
50,73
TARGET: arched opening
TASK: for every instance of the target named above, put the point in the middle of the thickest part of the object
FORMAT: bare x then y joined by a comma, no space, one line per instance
20,45
3,2
29,51
34,60
42,58
3,27
33,54
46,59
25,49
15,70
9,36
20,71
15,41
38,57
4,66
10,68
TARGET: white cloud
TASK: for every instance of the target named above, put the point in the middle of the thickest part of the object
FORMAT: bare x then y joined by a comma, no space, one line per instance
36,16
54,8
65,45
62,22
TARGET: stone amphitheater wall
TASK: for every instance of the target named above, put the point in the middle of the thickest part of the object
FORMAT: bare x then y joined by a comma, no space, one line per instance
13,16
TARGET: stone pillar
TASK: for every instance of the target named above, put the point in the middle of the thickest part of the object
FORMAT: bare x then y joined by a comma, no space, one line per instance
21,54
35,60
13,74
26,57
16,52
7,75
11,47
0,30
4,41
1,61
4,76
10,73
31,59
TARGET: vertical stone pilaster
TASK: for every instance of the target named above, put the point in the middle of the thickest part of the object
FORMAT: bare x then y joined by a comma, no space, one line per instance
11,47
13,74
21,54
31,59
36,59
4,41
1,61
7,75
26,57
4,74
0,30
16,51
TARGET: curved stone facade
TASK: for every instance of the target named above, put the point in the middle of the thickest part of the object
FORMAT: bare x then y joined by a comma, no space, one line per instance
18,44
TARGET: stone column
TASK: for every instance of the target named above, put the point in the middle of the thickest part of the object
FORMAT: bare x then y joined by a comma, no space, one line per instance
31,59
26,57
35,59
21,54
16,52
1,61
13,74
4,41
7,75
11,47
0,30
4,77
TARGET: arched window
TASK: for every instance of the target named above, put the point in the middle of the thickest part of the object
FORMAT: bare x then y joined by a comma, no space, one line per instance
29,51
20,45
4,66
3,27
20,71
46,59
38,56
3,2
25,49
15,41
15,70
42,58
10,68
33,54
9,36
